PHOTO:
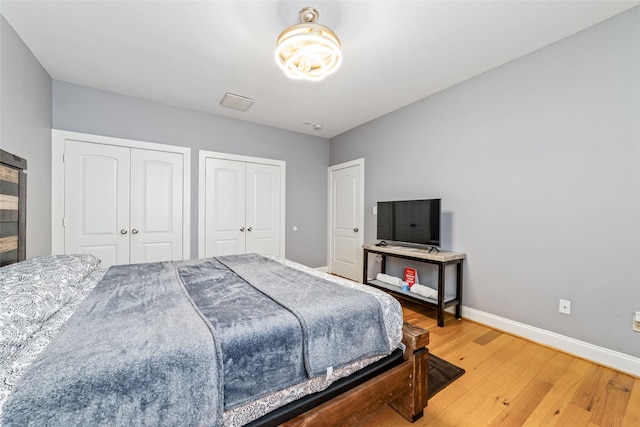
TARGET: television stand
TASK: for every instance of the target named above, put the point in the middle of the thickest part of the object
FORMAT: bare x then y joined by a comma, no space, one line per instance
441,259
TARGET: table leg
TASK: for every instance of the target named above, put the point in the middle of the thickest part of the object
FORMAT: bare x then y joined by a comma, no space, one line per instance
365,263
441,282
459,290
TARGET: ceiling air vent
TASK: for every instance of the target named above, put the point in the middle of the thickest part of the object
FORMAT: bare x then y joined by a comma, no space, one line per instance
236,102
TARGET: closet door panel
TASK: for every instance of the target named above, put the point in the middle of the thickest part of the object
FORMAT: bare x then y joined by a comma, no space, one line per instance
156,206
263,209
97,201
225,228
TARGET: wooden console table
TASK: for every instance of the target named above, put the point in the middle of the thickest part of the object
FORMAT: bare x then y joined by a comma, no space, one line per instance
441,259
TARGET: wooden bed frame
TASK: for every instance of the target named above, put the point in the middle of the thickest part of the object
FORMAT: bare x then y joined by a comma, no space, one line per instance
403,387
13,208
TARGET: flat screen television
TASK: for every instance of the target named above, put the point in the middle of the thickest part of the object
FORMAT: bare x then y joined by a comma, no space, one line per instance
409,221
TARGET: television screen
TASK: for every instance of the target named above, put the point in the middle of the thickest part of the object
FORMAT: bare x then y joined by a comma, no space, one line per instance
410,221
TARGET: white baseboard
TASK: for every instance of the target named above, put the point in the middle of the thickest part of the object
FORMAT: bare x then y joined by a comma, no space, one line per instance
324,269
603,356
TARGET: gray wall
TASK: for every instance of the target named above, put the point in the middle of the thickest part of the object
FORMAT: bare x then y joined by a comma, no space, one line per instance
25,114
82,109
538,166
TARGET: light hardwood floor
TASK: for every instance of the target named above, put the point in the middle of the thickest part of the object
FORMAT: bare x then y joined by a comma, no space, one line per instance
510,381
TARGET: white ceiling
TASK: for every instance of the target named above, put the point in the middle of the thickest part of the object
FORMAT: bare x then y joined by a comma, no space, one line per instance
188,54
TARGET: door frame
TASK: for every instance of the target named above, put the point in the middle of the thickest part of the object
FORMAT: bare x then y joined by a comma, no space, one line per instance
58,138
358,254
202,159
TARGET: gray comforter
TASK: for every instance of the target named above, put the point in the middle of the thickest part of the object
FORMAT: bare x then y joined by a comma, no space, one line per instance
136,352
140,350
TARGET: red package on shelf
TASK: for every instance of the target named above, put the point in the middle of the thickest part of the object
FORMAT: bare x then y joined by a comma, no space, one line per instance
410,276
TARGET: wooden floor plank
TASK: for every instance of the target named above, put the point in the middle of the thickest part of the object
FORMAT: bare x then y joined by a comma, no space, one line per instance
587,395
548,411
523,405
487,337
574,416
555,366
616,390
632,413
457,411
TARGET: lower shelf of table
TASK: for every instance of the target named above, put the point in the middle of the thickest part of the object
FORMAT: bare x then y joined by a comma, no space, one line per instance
449,300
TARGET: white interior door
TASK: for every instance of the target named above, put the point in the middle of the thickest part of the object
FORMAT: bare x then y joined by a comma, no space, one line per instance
263,209
156,206
96,208
345,219
224,214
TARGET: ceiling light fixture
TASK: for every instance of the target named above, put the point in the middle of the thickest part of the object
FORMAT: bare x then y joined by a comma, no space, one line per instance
308,50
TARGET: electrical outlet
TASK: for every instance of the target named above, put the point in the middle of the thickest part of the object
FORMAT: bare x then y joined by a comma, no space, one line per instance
636,321
375,210
565,306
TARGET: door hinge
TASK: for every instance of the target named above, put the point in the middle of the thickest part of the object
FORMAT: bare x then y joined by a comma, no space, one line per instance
64,221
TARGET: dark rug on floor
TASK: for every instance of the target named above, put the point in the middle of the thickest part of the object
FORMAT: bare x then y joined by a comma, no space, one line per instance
441,374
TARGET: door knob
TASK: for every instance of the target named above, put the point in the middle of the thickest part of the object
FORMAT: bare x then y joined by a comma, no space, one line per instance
123,231
241,228
356,229
249,229
134,231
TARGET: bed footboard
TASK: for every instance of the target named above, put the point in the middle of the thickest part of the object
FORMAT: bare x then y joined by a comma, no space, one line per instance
403,387
411,405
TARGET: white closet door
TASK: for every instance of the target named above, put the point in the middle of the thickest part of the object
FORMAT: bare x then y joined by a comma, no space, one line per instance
96,205
263,209
225,227
156,206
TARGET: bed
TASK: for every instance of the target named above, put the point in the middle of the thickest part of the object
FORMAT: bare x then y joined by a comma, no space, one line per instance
236,340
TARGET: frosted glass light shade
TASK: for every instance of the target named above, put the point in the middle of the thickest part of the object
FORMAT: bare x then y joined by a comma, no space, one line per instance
308,51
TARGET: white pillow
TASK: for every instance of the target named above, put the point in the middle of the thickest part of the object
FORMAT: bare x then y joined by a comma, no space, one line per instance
68,269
